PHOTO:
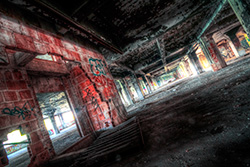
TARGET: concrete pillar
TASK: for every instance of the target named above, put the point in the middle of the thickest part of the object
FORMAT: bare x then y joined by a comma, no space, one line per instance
241,9
195,62
158,81
186,64
138,88
53,121
62,120
218,60
149,84
235,51
129,91
205,50
127,94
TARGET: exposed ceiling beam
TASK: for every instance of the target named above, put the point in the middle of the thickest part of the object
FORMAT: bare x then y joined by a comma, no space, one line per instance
212,18
125,67
161,51
158,68
149,65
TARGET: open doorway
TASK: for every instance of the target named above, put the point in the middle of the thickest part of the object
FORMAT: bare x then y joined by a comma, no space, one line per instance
16,149
58,119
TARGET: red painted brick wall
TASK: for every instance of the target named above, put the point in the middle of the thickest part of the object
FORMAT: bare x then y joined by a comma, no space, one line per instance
46,84
15,92
89,83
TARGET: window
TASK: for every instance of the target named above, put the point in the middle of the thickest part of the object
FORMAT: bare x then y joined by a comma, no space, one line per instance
45,57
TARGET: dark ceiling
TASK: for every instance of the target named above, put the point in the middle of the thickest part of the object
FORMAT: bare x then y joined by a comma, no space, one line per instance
142,35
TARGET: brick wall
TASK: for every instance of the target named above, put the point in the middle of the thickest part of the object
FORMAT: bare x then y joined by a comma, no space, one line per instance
19,110
87,80
45,84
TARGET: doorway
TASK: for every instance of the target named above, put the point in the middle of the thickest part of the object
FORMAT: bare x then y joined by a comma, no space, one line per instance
59,119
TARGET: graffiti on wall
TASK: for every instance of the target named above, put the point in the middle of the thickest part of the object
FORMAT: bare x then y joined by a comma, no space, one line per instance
23,112
97,66
93,100
14,148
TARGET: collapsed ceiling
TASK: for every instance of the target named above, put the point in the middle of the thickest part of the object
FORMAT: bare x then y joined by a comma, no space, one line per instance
135,36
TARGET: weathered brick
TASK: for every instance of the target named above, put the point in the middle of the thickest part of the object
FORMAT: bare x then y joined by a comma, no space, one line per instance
9,23
31,103
53,49
19,104
101,116
36,148
2,84
76,56
81,78
43,157
17,75
34,125
45,38
85,84
16,120
24,42
34,137
7,38
24,30
77,71
16,85
58,42
8,75
10,96
33,33
66,54
1,97
83,50
4,121
6,105
25,94
68,45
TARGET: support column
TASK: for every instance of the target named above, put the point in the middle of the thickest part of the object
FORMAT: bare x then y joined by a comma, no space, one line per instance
151,82
241,9
126,91
195,62
138,88
205,50
129,91
149,85
138,83
158,81
186,64
53,121
219,62
62,121
50,113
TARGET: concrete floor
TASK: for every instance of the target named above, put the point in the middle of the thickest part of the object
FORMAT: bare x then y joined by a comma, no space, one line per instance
201,121
60,142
